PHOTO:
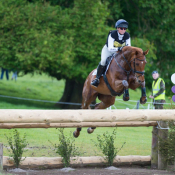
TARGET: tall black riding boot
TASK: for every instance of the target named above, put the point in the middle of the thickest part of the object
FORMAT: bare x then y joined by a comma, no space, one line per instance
100,70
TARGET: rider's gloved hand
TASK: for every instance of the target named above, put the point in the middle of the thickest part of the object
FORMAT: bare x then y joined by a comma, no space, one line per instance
120,48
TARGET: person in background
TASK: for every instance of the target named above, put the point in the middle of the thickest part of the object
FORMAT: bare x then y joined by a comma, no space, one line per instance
158,91
2,73
15,75
115,41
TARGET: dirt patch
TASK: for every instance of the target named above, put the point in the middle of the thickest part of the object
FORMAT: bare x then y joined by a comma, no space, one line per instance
94,171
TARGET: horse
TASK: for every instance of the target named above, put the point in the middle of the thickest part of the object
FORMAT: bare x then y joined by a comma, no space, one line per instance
124,70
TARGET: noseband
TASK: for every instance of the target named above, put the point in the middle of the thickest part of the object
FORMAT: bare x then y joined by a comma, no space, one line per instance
131,69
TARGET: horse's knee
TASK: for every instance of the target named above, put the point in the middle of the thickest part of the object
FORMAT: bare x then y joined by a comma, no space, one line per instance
125,83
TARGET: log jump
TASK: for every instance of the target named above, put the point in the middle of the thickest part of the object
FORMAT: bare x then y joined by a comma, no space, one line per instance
79,116
19,118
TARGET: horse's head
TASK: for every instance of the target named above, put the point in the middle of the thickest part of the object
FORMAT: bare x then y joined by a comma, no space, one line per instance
137,62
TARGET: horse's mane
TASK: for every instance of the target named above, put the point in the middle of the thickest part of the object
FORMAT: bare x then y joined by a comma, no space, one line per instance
133,50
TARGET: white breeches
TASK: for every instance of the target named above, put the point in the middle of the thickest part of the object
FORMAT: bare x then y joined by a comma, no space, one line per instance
105,53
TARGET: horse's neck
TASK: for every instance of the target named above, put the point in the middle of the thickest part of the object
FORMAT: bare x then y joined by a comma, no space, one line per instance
124,60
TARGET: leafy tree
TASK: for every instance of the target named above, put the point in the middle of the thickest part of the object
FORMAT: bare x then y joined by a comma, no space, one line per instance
66,44
89,35
154,20
63,42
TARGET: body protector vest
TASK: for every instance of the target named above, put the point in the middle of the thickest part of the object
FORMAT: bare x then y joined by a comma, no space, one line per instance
117,42
156,88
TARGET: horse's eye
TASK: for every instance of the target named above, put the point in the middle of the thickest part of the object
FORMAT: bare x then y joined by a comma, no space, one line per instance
137,64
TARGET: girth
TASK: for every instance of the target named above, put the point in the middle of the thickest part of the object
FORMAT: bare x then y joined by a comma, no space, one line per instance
113,93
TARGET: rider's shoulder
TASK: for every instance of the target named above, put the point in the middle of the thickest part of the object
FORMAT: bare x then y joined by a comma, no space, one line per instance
126,35
113,33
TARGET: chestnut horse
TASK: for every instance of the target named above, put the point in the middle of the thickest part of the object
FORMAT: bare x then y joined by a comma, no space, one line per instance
125,70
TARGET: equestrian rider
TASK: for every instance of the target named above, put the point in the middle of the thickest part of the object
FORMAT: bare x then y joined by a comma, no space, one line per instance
115,42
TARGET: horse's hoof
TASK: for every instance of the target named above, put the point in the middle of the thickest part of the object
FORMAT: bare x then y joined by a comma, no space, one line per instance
143,102
89,130
125,98
76,134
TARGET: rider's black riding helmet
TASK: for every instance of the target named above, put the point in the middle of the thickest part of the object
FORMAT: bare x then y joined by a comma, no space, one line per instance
121,23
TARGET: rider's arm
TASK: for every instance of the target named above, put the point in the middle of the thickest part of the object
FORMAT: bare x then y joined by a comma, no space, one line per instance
111,47
128,42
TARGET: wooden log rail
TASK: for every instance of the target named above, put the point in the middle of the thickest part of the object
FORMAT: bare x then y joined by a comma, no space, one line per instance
55,162
78,116
74,125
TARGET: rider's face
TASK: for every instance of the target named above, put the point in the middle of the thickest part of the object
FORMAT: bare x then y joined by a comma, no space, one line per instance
121,30
155,76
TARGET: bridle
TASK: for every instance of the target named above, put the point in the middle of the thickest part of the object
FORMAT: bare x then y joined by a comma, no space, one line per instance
131,69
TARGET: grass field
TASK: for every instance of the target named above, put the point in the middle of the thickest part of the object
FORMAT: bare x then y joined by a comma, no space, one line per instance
138,141
42,87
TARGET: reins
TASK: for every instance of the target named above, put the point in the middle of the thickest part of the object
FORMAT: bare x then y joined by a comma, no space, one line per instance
128,72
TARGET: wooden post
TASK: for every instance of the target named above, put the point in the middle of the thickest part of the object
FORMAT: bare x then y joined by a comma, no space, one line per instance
154,150
163,134
1,156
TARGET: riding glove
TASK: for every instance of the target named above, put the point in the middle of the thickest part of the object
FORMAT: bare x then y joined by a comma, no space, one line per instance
120,48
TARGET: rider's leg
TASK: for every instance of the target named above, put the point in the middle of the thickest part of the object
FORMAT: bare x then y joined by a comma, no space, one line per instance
100,70
101,67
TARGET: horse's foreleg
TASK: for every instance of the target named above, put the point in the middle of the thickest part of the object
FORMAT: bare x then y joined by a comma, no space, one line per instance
126,90
135,85
143,98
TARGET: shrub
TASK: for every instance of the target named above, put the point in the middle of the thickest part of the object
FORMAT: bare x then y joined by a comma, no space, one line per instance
167,146
107,146
17,145
66,147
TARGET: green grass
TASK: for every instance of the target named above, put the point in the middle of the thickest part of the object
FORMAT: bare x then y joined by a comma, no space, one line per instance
43,87
138,141
35,87
1,173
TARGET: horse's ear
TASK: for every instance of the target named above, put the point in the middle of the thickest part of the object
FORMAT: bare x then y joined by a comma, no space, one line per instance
146,52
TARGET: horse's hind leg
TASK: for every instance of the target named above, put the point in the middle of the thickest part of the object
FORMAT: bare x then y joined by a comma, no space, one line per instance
76,133
106,101
89,95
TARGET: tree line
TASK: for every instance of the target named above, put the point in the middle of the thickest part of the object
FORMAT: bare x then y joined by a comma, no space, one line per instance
64,38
